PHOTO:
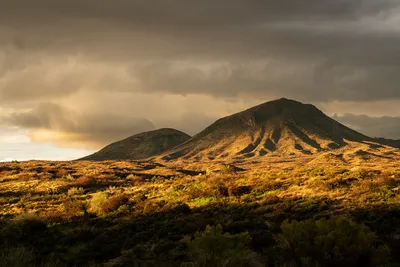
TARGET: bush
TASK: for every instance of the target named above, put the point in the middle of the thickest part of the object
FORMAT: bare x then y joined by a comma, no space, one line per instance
22,257
102,203
270,199
23,225
30,219
84,182
179,208
74,191
330,242
215,248
222,190
74,207
98,201
237,191
115,202
136,180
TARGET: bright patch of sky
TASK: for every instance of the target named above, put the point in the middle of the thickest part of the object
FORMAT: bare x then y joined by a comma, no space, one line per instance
16,145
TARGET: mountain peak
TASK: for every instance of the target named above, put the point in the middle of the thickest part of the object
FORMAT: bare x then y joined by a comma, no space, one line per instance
284,104
284,100
278,111
281,126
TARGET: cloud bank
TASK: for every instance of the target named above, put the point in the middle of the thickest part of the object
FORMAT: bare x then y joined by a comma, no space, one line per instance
386,126
89,72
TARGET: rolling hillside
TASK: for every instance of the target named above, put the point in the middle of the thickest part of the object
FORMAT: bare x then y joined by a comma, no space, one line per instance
141,145
279,127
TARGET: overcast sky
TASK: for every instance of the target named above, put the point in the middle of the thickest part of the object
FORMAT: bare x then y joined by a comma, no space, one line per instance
78,74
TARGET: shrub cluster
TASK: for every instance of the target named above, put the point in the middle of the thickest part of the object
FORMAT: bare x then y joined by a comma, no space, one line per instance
330,242
75,191
102,203
215,248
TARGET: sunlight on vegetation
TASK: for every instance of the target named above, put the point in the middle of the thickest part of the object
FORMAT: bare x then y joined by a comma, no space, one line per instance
130,214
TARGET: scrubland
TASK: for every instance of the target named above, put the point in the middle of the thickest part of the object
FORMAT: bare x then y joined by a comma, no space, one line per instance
142,213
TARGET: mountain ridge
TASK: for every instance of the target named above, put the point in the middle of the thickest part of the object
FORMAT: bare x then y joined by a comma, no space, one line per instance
279,127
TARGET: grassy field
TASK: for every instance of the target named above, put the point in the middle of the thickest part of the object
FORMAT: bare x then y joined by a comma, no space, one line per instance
281,213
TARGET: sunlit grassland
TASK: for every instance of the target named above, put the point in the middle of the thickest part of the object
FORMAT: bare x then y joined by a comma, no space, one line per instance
83,204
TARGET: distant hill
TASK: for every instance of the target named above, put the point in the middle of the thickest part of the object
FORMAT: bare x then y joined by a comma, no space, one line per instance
140,146
279,127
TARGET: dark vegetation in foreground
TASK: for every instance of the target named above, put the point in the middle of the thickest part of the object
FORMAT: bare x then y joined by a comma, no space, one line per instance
122,214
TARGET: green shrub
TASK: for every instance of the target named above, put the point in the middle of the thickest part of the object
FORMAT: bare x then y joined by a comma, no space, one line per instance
98,201
215,248
330,242
102,202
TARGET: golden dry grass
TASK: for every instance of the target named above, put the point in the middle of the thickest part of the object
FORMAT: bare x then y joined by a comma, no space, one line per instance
72,195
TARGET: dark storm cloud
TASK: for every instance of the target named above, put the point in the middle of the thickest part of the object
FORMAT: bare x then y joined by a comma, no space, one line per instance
88,130
207,11
302,81
386,126
344,50
74,52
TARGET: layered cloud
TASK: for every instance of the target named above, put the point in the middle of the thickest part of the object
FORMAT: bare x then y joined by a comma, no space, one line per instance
386,126
89,72
53,123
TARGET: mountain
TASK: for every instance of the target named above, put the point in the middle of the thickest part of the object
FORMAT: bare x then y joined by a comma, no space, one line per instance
279,127
140,146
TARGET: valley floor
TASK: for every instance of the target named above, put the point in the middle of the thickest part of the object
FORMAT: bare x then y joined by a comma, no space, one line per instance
144,213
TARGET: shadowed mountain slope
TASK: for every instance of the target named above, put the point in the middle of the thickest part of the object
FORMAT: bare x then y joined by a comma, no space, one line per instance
140,146
389,142
279,127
